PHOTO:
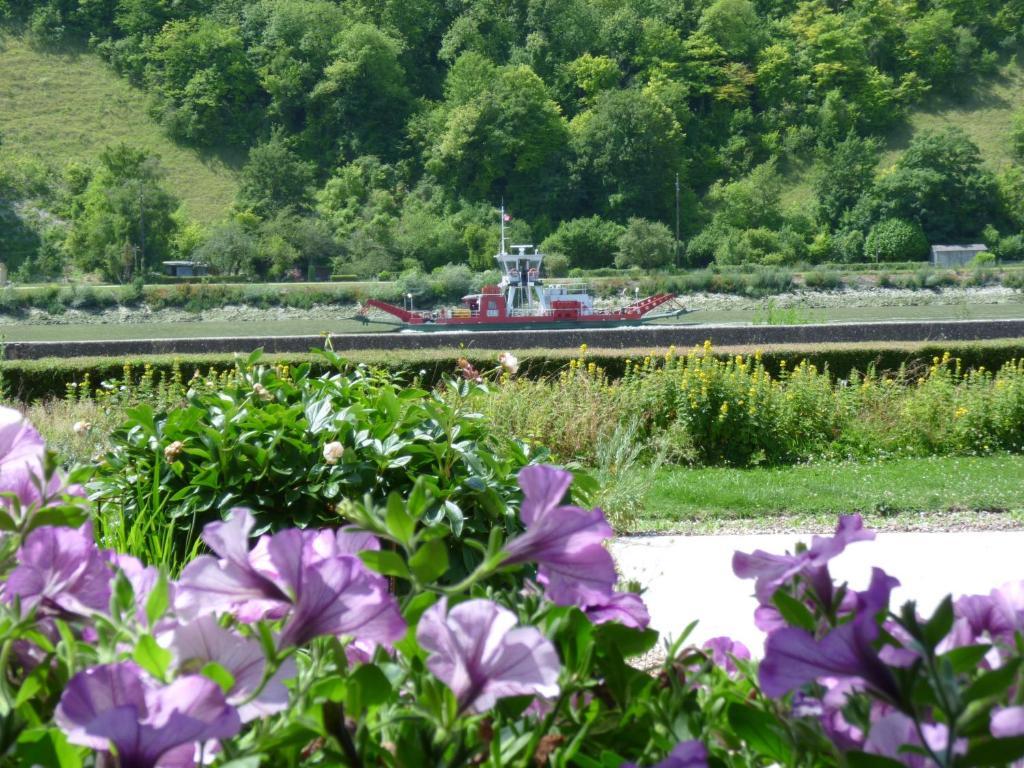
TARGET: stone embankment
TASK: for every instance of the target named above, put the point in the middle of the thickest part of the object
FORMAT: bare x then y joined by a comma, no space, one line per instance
653,337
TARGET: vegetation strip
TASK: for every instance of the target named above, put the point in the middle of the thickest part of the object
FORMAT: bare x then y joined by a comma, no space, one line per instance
30,380
951,330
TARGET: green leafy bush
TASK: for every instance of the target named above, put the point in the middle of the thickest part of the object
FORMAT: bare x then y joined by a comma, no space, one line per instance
291,445
896,240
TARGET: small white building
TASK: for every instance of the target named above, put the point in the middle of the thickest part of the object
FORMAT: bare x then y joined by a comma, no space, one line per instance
955,255
184,269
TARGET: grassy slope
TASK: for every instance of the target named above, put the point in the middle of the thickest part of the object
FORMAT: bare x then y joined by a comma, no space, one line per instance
985,113
902,492
70,106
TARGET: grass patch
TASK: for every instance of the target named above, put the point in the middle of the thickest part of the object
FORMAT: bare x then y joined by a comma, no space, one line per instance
985,114
65,107
945,489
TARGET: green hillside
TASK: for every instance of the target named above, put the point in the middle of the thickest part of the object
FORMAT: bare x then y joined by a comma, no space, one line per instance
67,107
985,114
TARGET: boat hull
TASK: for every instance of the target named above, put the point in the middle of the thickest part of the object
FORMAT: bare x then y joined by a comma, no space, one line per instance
524,324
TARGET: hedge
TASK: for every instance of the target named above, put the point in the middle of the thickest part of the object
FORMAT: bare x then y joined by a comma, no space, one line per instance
31,380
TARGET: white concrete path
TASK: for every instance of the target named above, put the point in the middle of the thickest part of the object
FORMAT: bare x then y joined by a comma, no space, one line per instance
690,577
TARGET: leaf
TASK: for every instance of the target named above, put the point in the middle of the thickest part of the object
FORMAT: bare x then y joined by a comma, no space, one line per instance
941,622
49,747
385,562
965,658
430,561
993,683
158,600
29,688
151,657
628,641
400,523
993,752
367,687
218,674
793,611
243,762
761,731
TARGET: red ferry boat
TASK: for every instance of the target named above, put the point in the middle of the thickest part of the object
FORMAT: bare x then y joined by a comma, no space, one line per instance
523,300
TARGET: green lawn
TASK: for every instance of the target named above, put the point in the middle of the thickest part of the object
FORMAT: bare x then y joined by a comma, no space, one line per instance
66,107
899,492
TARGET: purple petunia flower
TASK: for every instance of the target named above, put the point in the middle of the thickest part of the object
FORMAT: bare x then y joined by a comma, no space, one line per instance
567,543
725,651
772,571
22,456
686,754
794,657
892,733
203,640
477,651
117,707
1007,722
296,574
626,608
60,572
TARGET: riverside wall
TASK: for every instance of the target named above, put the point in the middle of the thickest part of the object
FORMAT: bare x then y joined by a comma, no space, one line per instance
597,338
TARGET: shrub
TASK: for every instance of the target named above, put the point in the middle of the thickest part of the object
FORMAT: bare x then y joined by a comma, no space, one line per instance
292,445
823,279
646,244
896,240
586,243
1009,248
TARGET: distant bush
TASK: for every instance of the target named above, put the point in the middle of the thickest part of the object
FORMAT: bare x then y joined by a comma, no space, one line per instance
823,279
896,240
586,243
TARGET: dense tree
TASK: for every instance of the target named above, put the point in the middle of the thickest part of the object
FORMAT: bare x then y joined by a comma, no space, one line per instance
499,136
124,223
843,175
941,184
206,89
387,131
274,178
361,102
587,243
645,244
230,249
629,149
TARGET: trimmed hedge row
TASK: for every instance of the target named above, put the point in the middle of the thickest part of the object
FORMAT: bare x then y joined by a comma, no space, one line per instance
31,380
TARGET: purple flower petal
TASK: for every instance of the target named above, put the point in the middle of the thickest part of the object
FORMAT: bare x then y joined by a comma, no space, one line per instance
61,571
772,571
626,608
725,651
686,754
544,487
793,657
117,706
567,543
340,596
203,640
1007,722
22,456
476,651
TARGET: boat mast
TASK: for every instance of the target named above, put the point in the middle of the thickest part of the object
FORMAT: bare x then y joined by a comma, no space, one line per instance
502,249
